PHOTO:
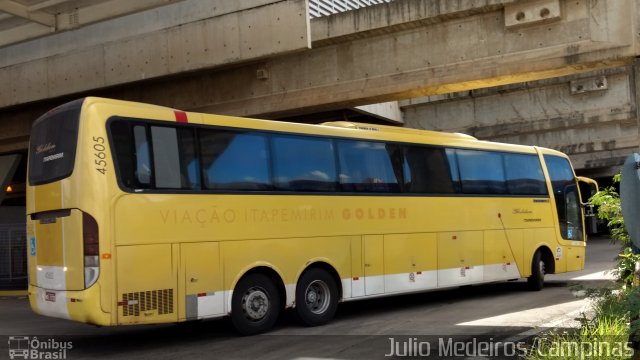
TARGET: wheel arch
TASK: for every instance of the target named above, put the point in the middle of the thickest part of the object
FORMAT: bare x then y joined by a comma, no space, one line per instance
547,256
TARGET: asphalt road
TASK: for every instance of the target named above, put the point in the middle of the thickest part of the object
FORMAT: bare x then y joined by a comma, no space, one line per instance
430,323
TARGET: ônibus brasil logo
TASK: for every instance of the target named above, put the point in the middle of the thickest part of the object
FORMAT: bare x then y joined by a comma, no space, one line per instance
25,347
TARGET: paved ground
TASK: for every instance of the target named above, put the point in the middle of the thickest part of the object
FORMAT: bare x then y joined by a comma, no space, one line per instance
361,330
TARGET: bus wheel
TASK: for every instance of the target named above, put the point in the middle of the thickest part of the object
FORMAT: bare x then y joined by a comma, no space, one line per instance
536,280
316,297
255,304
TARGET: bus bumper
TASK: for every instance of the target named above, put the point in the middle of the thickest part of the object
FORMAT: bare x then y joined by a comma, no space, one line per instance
82,306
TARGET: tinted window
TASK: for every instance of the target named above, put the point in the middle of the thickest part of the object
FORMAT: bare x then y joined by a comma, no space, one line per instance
303,163
524,175
142,155
428,171
165,157
154,156
369,166
565,192
52,148
455,170
481,172
174,161
189,164
234,161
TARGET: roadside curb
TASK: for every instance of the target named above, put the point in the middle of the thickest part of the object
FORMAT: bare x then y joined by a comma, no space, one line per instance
13,293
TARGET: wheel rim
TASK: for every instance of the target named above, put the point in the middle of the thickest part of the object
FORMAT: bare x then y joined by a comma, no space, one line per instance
317,297
255,303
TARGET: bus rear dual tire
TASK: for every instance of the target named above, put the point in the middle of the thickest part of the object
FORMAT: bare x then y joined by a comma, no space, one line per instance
316,297
256,302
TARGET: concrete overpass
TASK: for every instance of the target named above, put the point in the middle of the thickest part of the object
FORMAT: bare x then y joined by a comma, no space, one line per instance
266,58
591,116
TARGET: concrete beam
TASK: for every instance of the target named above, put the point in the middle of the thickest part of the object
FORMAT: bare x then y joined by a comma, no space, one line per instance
595,127
388,111
429,57
237,32
67,20
441,47
175,13
19,10
395,16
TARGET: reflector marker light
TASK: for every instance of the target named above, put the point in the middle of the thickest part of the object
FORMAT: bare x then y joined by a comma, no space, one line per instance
181,116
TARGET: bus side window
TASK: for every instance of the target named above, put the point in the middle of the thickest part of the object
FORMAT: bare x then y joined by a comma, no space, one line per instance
123,153
454,169
429,171
303,163
481,172
189,164
234,161
524,174
366,166
165,158
174,158
143,158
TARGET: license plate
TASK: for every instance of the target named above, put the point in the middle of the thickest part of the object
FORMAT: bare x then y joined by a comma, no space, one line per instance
50,296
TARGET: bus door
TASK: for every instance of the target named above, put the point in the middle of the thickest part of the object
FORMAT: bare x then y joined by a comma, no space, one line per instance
569,210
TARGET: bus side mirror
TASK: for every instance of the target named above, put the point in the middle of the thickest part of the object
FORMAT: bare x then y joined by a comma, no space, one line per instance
588,188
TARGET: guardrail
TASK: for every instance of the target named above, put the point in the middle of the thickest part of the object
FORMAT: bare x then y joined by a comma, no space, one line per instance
13,256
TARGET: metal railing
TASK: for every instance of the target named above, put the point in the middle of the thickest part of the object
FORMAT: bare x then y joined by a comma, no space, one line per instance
318,8
13,256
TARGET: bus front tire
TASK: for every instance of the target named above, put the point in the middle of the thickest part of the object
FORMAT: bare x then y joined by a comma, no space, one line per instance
316,297
255,304
535,282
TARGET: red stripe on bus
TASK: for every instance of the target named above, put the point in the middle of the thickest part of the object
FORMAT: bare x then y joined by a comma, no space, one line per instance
181,116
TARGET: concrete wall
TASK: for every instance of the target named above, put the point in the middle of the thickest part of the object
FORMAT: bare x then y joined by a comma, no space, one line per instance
596,125
173,39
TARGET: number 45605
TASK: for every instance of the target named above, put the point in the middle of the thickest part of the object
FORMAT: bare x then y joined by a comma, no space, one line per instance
100,156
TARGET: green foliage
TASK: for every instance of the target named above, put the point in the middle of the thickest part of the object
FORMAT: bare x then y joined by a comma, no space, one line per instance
608,202
602,337
626,266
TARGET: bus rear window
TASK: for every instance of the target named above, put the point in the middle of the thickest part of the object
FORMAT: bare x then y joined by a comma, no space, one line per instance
52,149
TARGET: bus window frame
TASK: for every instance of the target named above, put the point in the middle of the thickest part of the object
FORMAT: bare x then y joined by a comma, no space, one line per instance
152,122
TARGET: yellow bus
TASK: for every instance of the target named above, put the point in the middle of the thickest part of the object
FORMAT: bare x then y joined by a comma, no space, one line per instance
144,214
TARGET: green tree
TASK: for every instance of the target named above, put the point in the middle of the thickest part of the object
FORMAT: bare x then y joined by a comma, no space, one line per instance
608,202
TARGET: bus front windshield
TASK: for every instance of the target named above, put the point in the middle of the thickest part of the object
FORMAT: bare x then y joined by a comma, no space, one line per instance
565,191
